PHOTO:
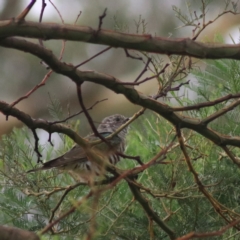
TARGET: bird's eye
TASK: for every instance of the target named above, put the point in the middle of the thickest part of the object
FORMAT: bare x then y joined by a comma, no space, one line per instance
117,119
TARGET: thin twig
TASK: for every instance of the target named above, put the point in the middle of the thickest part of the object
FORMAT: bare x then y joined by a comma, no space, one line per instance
78,113
221,112
219,208
207,104
231,156
25,12
209,234
104,50
39,155
40,19
90,121
59,14
78,204
101,17
144,69
131,56
146,79
170,89
77,17
42,83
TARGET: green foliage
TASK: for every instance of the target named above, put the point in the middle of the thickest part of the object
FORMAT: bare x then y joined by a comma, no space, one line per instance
27,200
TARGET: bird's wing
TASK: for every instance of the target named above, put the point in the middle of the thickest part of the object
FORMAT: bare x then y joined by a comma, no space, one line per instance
76,154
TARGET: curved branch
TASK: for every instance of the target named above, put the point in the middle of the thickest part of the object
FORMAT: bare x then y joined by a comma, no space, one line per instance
117,86
31,123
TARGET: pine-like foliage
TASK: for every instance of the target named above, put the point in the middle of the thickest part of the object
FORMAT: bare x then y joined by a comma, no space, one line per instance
28,200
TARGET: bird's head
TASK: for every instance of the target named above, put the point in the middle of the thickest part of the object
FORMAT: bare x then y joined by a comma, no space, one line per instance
112,123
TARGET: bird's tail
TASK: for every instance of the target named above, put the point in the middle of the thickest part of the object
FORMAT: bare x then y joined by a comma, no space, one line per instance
33,170
37,169
46,165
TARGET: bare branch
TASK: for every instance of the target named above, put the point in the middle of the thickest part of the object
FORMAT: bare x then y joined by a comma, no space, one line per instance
227,214
117,86
209,234
148,78
78,16
149,211
147,43
25,12
41,84
221,112
42,10
39,155
88,60
73,209
101,20
59,14
207,104
131,56
144,69
78,113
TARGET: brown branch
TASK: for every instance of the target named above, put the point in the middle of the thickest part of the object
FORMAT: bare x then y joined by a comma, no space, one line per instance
207,104
169,89
136,158
40,18
101,20
72,187
147,43
219,208
70,211
209,234
117,86
25,12
146,79
58,12
131,56
41,84
90,121
149,211
31,123
231,156
134,171
144,70
204,25
221,112
75,114
78,16
69,189
39,155
42,10
101,52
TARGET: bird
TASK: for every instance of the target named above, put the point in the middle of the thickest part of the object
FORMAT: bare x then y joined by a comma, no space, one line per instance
76,160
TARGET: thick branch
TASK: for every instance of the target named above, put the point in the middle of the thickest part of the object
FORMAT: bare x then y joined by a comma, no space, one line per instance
147,43
116,85
31,123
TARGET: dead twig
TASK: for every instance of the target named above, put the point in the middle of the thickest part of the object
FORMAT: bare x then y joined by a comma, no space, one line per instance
101,52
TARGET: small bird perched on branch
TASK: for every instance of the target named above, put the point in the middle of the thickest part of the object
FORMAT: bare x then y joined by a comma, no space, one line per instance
76,160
